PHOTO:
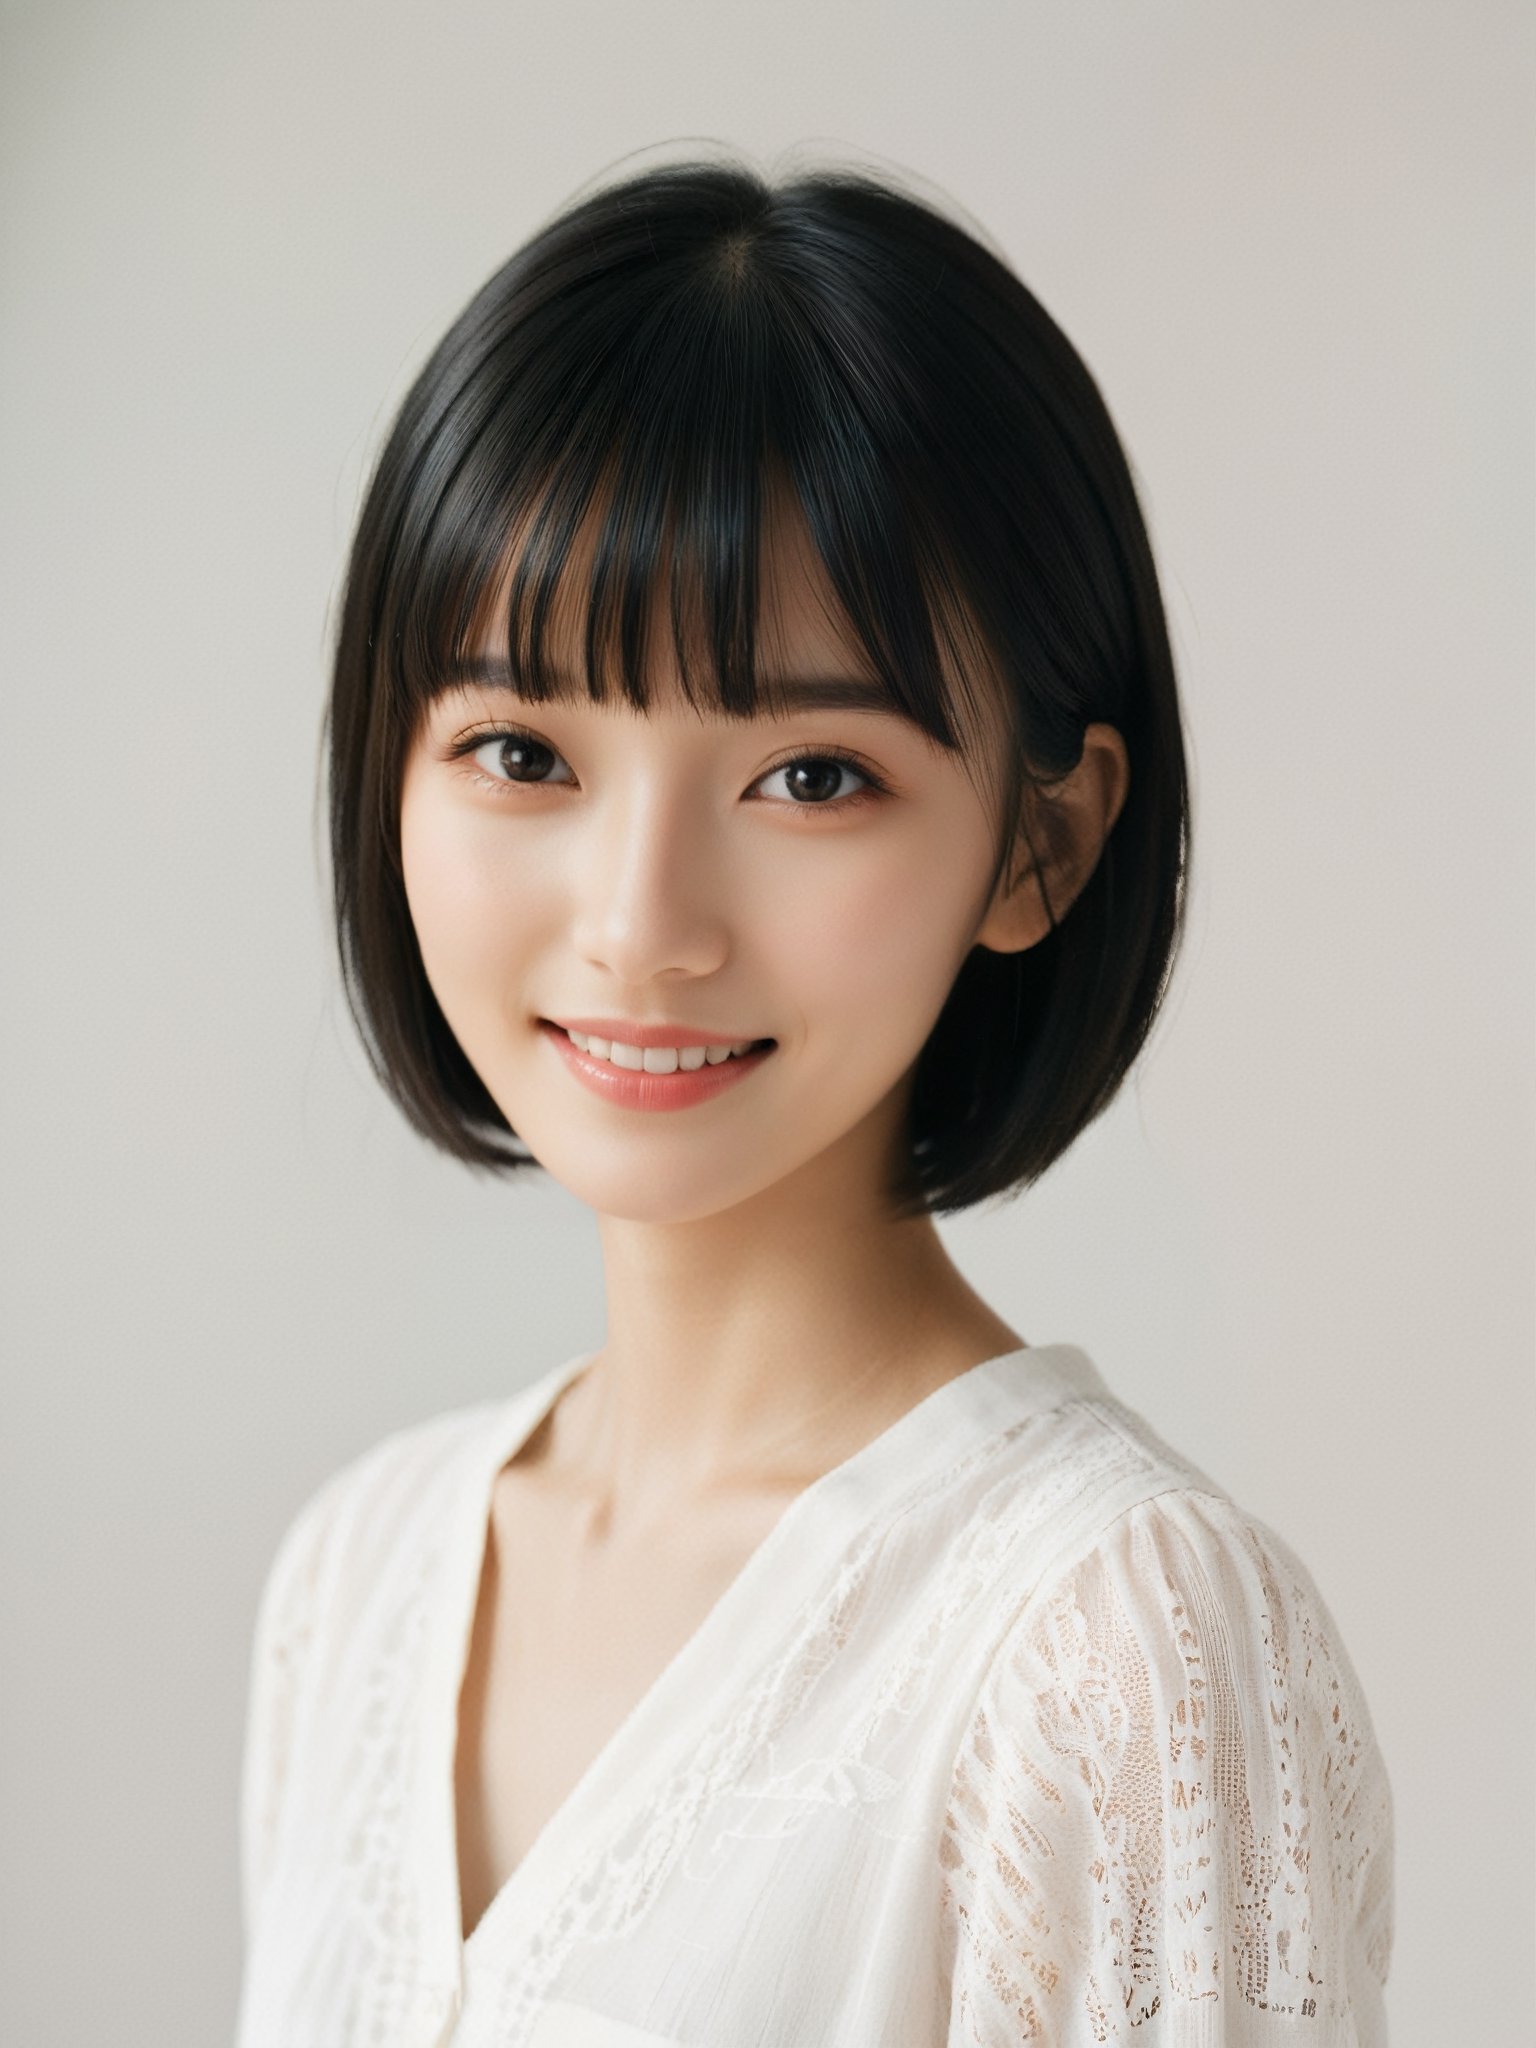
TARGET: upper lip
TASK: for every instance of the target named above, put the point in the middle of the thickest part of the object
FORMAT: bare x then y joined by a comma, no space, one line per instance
643,1035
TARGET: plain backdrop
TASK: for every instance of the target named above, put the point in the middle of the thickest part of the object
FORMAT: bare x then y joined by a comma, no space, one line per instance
1294,244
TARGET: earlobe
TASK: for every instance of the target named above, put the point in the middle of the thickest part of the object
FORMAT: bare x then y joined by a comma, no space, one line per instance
1077,816
1017,917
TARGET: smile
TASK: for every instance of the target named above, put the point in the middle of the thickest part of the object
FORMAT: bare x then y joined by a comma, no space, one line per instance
655,1076
659,1059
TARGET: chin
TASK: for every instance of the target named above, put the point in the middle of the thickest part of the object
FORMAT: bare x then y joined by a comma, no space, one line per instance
640,1193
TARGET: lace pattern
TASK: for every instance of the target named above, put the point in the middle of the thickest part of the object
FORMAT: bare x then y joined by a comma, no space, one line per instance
1168,1795
1059,1740
730,1787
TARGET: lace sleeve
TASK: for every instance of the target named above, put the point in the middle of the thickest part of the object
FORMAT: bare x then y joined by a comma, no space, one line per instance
285,1624
1169,1822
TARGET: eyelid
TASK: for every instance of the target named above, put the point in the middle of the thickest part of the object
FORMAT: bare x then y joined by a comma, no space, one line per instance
470,743
811,752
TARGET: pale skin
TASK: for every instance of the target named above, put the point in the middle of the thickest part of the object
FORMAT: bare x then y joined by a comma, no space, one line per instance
766,1316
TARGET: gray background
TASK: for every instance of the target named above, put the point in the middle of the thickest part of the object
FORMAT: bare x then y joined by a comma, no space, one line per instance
1295,246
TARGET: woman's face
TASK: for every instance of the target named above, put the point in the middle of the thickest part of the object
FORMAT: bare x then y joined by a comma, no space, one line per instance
715,876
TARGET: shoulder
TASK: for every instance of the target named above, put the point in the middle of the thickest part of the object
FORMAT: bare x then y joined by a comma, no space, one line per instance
1201,1609
1171,1797
362,1511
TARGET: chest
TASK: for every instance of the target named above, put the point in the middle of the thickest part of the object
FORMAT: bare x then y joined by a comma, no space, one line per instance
567,1639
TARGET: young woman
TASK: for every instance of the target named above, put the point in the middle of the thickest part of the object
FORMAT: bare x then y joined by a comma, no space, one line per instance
758,801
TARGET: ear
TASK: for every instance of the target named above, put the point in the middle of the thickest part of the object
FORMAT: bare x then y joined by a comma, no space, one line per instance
1078,815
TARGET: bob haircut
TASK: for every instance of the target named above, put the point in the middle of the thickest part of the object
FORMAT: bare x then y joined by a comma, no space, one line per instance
657,358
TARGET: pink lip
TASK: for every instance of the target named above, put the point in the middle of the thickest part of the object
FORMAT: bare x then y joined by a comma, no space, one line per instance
646,1034
629,1090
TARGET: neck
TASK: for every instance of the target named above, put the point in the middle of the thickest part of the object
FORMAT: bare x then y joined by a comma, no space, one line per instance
748,1352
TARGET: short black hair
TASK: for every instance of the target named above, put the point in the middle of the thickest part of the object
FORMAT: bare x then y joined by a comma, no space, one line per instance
659,356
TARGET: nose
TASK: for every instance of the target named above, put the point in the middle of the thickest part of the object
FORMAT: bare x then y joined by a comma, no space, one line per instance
649,898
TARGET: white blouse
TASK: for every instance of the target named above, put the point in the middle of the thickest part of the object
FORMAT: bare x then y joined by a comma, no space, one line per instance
1015,1728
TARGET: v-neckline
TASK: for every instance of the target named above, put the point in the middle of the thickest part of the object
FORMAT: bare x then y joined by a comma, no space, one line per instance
734,1637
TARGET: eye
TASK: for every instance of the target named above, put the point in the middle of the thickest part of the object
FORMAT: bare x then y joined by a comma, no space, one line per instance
813,778
510,756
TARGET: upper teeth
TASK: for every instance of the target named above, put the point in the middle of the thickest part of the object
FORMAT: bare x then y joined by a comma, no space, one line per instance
656,1059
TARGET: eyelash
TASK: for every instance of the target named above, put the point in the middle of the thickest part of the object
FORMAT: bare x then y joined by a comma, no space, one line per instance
471,744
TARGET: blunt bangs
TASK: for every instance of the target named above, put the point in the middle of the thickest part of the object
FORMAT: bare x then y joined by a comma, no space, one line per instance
709,400
600,450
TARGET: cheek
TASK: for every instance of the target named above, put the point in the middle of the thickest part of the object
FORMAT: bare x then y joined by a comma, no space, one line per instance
883,942
464,911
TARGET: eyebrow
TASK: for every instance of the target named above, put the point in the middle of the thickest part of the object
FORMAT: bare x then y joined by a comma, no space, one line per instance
793,693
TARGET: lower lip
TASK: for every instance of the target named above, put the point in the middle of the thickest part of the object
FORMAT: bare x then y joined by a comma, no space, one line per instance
629,1090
